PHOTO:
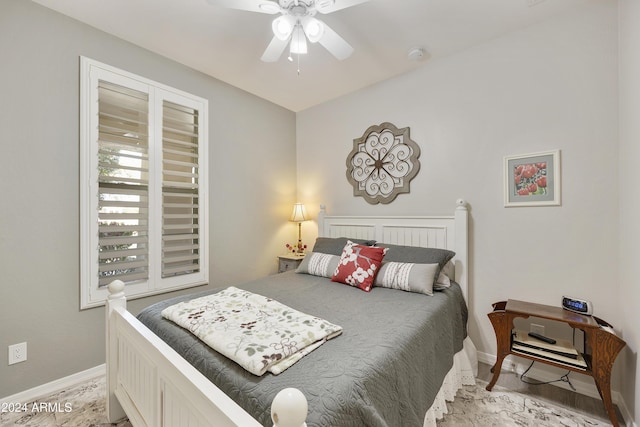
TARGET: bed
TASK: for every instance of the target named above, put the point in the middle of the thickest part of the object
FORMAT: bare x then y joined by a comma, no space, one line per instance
390,366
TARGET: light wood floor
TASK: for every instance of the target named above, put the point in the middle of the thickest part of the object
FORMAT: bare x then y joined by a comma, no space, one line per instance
548,392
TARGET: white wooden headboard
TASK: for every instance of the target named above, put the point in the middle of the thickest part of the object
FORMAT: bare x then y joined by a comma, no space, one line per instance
446,232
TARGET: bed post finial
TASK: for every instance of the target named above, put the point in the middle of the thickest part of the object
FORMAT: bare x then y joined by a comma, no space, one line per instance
289,408
116,289
461,204
117,296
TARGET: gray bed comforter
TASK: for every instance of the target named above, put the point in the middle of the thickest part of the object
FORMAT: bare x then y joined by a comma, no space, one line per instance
384,370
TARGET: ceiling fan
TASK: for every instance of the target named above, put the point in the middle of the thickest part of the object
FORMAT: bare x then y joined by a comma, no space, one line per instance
297,24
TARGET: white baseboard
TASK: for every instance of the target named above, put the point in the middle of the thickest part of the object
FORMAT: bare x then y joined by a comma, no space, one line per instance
55,386
583,383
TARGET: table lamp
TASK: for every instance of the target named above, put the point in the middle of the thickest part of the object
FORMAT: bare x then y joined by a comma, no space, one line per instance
298,215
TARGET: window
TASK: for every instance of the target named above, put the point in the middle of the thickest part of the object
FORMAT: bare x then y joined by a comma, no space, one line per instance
143,149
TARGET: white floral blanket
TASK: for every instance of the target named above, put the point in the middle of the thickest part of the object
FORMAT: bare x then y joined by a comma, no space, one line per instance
258,333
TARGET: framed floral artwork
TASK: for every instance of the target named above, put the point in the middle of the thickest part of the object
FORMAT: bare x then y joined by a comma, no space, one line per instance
532,179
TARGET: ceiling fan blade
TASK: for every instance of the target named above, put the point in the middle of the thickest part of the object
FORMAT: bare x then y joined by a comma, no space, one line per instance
328,6
262,6
274,50
335,44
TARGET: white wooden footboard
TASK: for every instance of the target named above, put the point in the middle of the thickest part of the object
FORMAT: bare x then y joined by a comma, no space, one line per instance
152,385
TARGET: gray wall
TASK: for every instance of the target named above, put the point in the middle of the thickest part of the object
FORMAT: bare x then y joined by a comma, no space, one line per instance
553,85
252,184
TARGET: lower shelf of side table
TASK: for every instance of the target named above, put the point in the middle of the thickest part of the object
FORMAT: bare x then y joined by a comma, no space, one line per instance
561,352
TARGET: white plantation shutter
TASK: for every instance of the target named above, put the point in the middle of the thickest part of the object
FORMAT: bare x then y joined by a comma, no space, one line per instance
180,221
144,185
123,181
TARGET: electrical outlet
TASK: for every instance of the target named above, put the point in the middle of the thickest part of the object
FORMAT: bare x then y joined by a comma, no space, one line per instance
538,329
17,353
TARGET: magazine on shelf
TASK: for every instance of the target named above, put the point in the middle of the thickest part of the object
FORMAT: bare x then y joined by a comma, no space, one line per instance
561,347
561,352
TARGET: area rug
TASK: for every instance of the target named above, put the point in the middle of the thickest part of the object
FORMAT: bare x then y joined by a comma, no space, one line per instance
83,405
475,406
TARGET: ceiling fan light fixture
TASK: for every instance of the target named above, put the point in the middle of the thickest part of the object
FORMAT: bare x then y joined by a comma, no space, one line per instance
313,28
298,41
295,23
282,26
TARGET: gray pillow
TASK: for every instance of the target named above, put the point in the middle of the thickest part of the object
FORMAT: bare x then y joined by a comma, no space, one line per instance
335,245
415,254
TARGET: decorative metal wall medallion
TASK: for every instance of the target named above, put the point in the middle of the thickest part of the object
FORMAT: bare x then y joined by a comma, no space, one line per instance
382,163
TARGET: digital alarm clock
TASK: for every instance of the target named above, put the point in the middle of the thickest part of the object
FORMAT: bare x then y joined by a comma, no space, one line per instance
577,305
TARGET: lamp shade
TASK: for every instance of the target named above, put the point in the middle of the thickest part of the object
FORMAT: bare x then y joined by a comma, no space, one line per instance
299,213
283,26
313,28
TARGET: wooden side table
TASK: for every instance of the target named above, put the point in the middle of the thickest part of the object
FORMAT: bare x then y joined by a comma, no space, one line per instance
289,262
601,344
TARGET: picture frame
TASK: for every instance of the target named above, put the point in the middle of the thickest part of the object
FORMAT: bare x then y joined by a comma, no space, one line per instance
532,179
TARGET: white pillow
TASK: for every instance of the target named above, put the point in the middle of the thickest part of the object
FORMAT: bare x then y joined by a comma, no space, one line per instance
319,264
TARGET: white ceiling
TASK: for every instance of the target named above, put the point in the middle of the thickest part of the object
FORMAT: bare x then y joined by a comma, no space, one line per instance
227,44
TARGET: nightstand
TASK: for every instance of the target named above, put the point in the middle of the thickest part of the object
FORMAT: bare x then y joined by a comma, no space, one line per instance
601,343
289,262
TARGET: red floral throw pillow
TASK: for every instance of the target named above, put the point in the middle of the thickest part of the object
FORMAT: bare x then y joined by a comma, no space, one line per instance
359,265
